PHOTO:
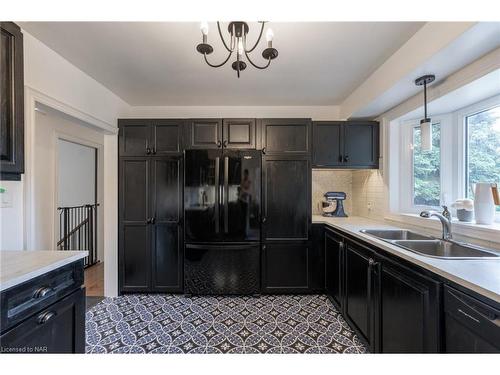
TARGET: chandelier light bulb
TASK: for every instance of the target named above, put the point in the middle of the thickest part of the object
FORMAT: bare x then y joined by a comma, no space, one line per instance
204,27
269,35
240,47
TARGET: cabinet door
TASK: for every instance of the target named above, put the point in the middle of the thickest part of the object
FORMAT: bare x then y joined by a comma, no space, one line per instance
204,134
358,300
409,311
285,267
239,133
334,256
361,144
12,102
134,137
286,136
60,328
166,209
134,236
166,137
287,199
327,144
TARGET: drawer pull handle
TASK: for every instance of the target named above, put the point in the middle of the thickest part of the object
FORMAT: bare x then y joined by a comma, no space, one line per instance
468,316
42,292
45,317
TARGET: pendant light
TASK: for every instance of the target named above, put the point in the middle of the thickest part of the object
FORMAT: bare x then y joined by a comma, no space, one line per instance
425,123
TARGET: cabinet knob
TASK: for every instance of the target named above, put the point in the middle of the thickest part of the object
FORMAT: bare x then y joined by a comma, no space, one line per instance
264,219
42,292
219,144
346,158
372,262
153,220
263,150
225,143
45,317
153,151
148,151
341,159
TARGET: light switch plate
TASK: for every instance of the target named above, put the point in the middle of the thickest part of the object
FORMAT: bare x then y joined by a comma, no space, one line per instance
5,199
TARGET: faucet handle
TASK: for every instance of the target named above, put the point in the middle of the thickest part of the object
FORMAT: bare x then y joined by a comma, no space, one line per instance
446,213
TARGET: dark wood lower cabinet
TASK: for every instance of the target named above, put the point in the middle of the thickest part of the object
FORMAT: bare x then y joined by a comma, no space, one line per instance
470,326
167,258
285,267
358,300
59,328
334,270
407,311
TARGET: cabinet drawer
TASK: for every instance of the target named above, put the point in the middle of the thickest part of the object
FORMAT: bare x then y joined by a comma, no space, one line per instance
24,300
59,328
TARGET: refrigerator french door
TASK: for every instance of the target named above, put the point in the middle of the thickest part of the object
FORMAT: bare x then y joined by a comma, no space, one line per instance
222,205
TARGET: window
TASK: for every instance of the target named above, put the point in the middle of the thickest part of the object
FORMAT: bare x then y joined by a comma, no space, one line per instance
482,161
465,150
426,169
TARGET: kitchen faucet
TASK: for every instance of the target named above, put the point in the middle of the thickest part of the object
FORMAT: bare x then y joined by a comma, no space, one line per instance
445,222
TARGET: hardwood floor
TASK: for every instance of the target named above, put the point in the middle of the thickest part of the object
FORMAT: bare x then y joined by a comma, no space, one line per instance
94,280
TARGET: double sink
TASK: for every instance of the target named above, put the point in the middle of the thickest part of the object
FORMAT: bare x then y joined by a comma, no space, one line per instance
429,246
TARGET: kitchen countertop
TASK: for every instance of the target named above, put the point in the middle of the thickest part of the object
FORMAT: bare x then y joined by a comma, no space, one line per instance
480,276
17,267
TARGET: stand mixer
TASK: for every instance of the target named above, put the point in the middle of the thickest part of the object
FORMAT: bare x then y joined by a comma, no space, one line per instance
333,206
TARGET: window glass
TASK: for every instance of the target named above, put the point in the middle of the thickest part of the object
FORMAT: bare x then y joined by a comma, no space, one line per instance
426,169
483,148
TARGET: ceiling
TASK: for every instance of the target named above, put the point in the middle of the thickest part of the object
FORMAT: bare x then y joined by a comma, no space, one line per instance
156,64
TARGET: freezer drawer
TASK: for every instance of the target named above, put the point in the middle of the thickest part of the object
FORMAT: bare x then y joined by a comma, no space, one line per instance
222,269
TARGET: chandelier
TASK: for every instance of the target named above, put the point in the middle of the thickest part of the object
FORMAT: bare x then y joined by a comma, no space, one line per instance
238,31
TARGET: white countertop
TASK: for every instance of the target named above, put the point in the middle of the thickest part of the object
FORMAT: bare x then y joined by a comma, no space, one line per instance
481,276
17,267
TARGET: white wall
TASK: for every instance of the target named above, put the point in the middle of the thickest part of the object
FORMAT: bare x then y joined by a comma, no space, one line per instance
50,74
314,112
75,174
11,216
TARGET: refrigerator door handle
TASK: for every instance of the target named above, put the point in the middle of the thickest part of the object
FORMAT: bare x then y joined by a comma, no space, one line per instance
217,194
226,193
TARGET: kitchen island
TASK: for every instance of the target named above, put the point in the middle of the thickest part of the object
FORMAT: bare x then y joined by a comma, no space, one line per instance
42,302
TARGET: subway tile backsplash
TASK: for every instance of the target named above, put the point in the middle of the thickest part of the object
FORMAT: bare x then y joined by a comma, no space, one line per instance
364,189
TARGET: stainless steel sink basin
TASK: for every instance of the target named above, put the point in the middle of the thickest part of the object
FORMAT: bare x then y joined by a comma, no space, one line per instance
395,234
445,249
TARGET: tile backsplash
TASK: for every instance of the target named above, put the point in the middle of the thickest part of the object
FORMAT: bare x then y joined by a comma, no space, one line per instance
364,189
324,180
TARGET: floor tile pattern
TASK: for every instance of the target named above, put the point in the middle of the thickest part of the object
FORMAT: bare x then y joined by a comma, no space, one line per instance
157,323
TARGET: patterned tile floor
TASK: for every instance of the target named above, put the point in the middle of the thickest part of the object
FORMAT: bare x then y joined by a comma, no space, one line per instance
176,324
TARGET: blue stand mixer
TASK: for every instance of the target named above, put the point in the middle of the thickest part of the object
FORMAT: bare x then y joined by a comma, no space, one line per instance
334,198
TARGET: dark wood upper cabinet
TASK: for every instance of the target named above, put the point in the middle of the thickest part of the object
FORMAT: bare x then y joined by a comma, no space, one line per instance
361,144
327,144
286,136
239,133
134,137
407,312
204,134
11,102
166,136
150,137
345,144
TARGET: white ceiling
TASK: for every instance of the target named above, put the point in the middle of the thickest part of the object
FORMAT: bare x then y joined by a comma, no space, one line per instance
149,64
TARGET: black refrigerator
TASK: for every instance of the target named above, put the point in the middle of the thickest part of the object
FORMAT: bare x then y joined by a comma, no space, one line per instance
222,209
